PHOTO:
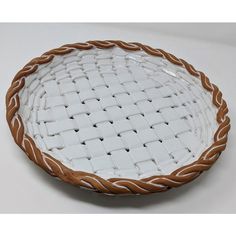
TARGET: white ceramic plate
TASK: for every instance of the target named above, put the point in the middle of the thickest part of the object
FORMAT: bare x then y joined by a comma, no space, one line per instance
112,113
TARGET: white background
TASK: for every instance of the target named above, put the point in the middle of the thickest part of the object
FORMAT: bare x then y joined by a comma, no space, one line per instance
26,188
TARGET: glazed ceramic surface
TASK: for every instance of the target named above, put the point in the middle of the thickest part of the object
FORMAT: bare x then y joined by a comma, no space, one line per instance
117,117
117,114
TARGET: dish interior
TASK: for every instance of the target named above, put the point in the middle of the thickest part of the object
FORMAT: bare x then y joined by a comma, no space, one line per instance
117,113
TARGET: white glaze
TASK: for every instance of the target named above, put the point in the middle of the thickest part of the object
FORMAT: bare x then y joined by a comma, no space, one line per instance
117,113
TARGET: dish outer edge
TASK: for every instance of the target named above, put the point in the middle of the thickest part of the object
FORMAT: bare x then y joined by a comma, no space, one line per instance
151,184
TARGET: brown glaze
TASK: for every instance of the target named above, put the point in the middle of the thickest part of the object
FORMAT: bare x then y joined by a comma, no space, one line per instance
152,184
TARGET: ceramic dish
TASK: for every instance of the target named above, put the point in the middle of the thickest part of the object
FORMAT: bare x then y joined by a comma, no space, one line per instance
116,117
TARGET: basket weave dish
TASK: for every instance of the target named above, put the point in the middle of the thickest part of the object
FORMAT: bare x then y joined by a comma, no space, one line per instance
116,117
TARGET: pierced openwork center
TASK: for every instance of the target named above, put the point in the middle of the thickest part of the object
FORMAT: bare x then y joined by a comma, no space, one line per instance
117,113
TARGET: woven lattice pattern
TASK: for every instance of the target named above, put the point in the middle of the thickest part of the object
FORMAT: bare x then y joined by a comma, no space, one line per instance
117,113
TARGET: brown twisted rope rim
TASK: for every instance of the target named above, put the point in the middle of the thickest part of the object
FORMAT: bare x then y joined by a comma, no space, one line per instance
152,184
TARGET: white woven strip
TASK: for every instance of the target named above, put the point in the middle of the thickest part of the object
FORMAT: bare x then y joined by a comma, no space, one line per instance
117,114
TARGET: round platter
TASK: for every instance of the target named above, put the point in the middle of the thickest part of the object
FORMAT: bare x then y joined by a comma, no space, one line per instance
116,117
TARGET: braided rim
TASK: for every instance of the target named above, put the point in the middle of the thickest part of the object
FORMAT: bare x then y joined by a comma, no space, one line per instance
152,184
